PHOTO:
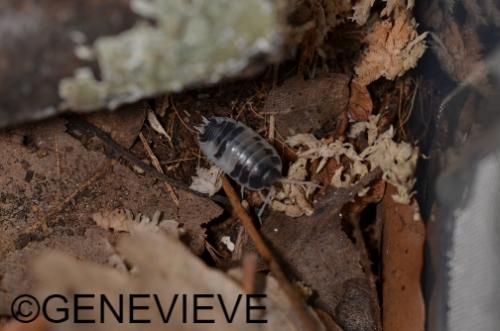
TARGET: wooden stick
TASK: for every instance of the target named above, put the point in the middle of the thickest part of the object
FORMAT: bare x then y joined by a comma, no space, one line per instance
249,273
301,309
76,122
272,127
157,165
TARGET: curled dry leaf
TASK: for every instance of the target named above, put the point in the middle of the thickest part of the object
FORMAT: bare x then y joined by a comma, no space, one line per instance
393,47
207,181
360,103
156,125
396,160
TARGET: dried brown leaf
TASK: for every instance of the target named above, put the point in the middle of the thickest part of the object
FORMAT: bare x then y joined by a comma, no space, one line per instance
317,102
92,244
317,252
402,260
360,103
165,275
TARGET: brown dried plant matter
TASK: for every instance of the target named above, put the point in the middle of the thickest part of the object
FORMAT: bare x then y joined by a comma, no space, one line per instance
316,251
393,47
62,180
165,275
317,102
402,258
304,320
360,103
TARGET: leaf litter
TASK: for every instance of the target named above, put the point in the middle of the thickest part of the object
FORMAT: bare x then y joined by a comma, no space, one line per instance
397,161
324,116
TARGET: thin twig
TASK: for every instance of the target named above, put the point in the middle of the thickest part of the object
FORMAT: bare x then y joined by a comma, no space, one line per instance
400,111
272,127
242,109
307,321
155,124
78,123
58,166
157,165
214,253
177,160
180,118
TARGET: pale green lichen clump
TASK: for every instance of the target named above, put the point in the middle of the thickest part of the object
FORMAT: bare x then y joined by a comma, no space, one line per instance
190,42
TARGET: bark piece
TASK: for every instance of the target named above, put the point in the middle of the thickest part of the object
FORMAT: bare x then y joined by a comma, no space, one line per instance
39,38
402,262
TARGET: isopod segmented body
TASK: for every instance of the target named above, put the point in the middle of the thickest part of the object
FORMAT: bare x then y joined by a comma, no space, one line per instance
240,152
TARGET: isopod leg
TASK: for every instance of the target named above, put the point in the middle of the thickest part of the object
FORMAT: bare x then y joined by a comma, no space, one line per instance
267,201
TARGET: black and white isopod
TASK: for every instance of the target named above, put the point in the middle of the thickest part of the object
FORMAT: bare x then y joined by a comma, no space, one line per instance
240,152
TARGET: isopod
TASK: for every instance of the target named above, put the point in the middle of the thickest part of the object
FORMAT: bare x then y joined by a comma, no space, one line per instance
240,152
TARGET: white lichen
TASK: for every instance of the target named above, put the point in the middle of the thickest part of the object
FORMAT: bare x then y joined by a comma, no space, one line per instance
188,42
